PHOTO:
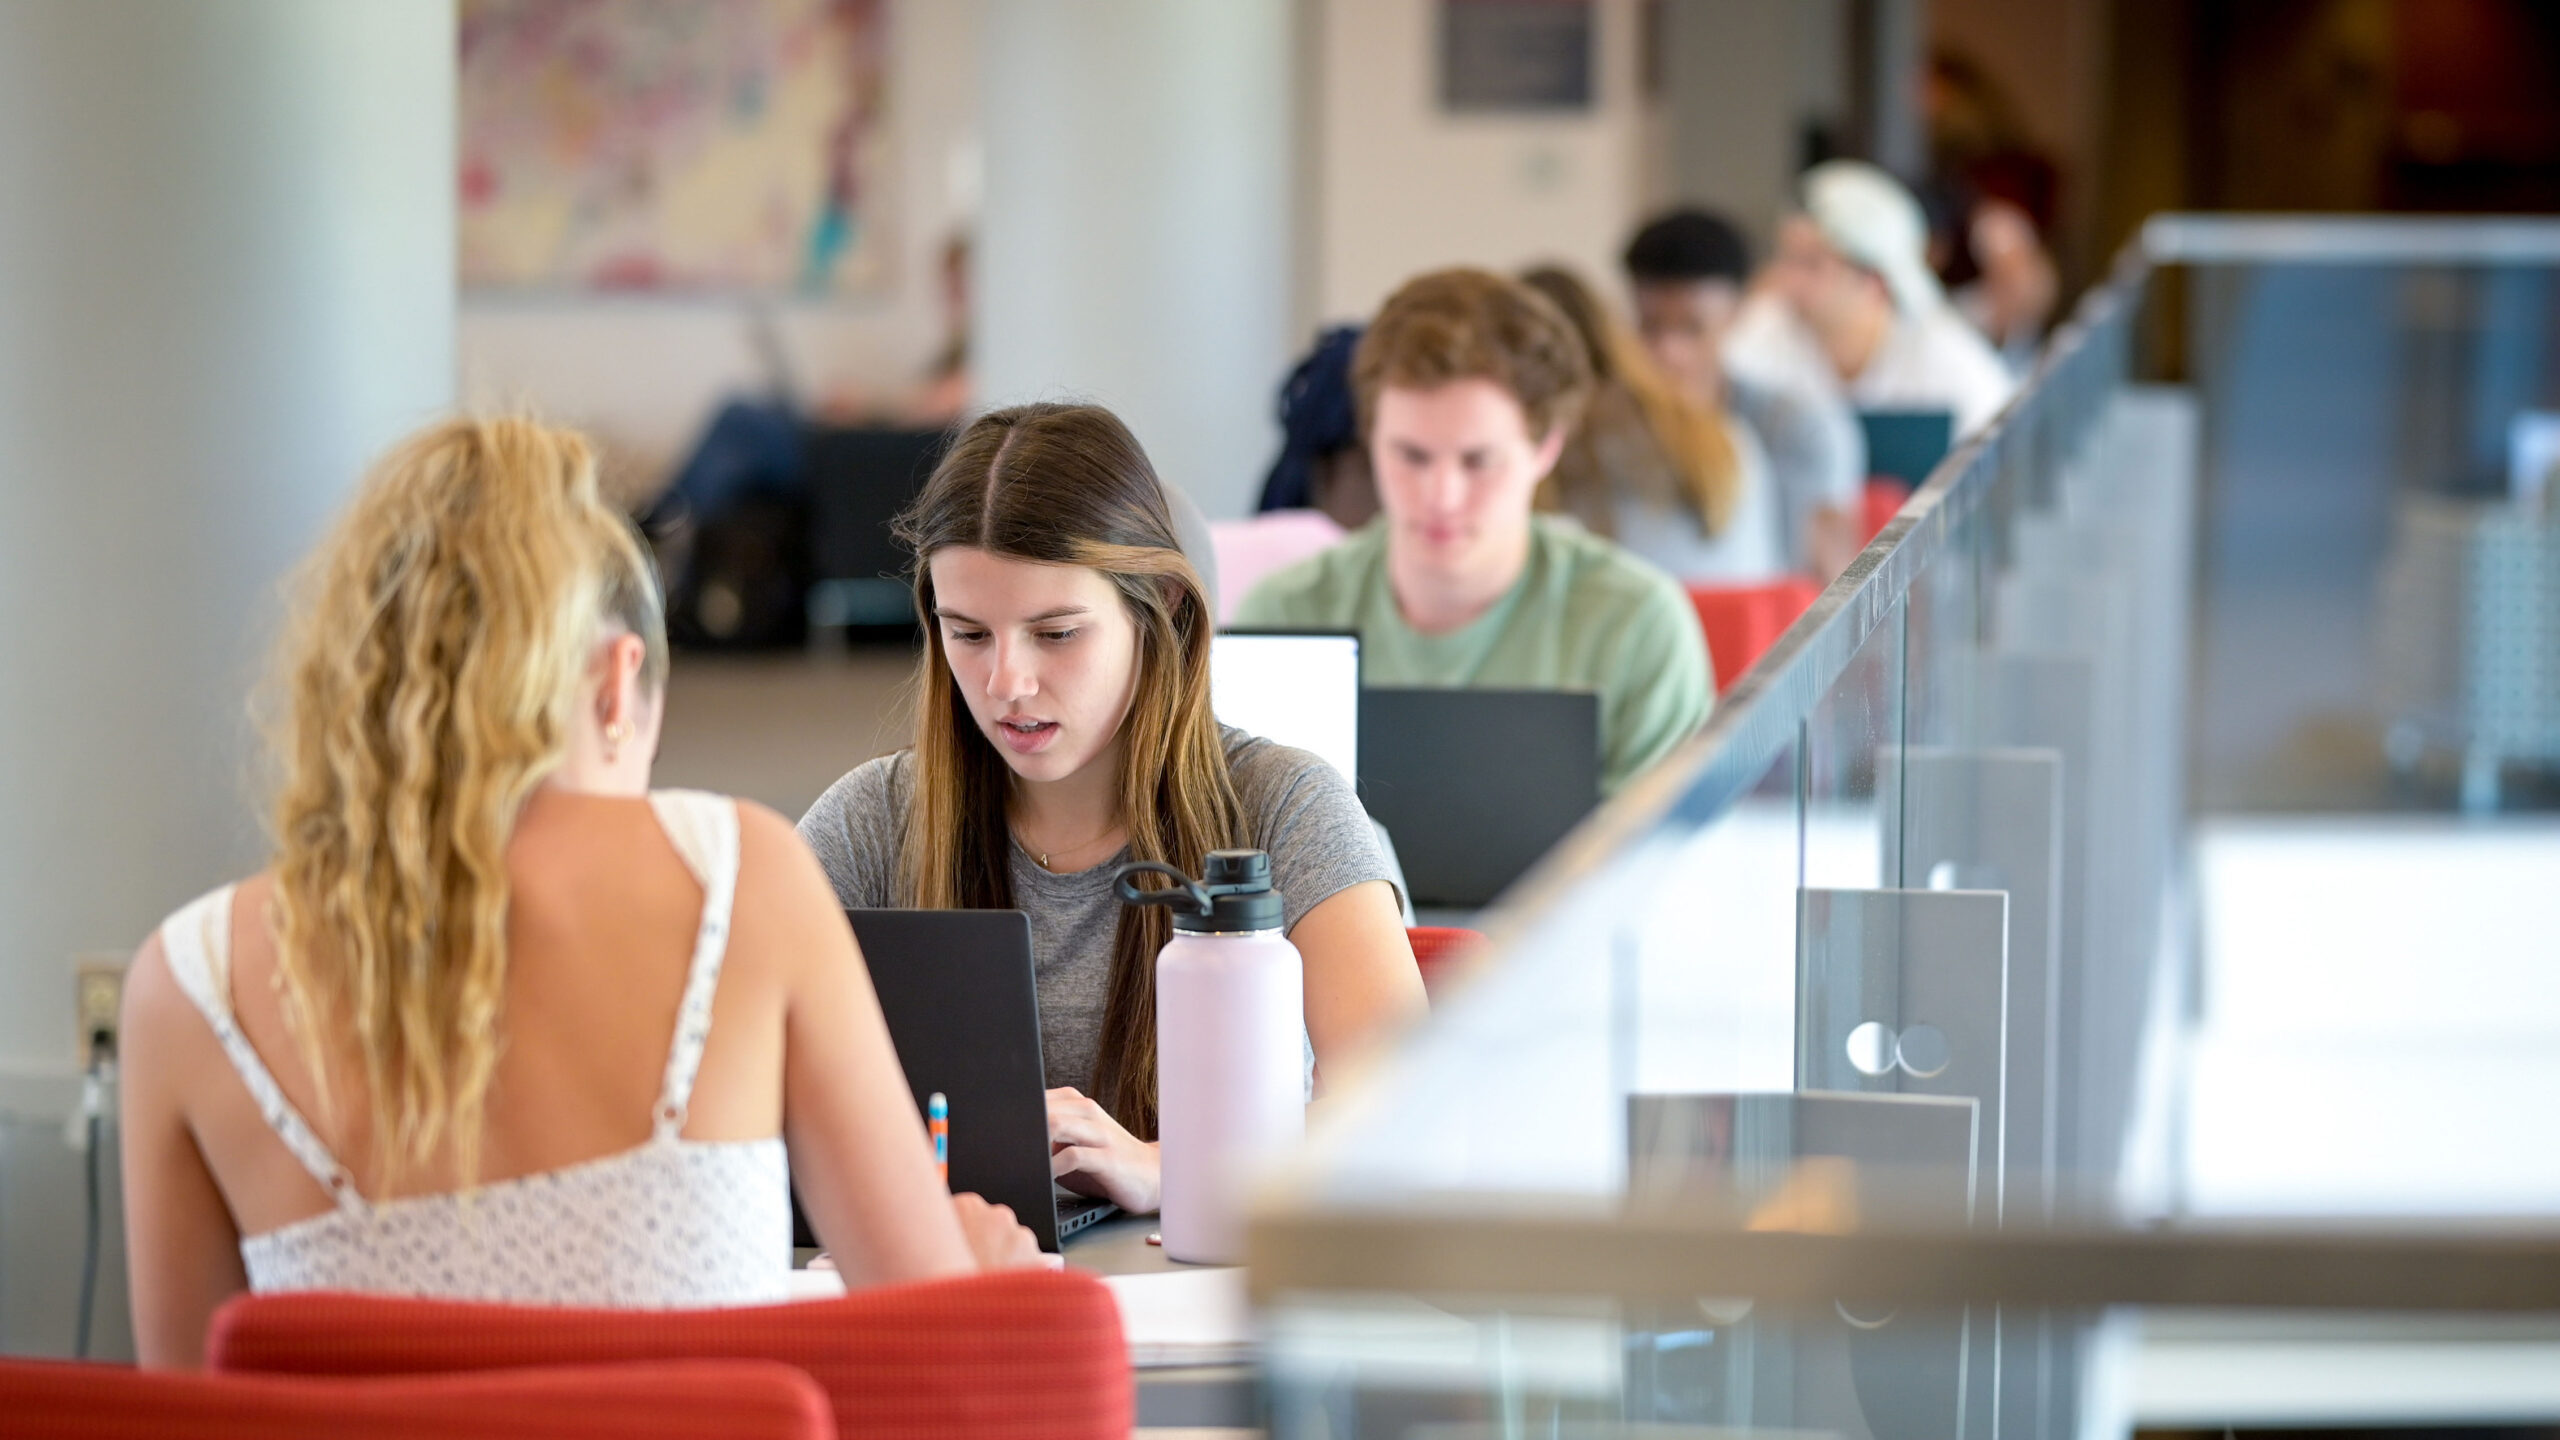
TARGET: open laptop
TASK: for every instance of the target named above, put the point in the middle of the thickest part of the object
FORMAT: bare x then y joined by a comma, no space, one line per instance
1475,785
1301,688
1907,444
957,990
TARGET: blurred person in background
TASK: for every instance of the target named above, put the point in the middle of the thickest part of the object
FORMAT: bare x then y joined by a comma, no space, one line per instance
1677,482
1688,270
1321,465
939,396
755,446
499,1022
1318,487
2011,296
2003,200
1854,295
1468,386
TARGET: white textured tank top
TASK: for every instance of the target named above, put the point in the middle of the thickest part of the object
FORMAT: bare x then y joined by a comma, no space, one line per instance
673,1223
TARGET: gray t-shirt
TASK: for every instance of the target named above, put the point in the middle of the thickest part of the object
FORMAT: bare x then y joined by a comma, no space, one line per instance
1298,808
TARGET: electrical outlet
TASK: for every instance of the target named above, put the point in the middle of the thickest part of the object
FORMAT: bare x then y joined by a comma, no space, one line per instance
101,1000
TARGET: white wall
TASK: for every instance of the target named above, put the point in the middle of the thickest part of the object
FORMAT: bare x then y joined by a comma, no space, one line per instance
1403,188
1744,76
643,373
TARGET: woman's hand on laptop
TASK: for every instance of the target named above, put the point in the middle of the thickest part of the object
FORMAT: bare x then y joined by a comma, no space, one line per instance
1091,1154
996,1238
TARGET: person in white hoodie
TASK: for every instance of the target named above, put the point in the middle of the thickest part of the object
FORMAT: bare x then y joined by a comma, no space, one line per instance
1849,293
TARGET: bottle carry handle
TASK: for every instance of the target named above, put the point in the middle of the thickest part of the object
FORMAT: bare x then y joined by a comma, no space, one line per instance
1184,893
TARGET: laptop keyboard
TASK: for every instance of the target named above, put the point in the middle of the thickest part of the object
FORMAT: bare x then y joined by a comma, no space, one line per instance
1075,1212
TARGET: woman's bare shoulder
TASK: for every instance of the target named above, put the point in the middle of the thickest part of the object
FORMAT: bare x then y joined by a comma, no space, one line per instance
765,835
158,1013
783,894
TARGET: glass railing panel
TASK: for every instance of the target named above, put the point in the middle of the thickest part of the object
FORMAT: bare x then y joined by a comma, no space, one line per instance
1673,972
1876,1002
1472,1369
2378,394
1679,943
1714,947
1784,1314
1517,1084
1850,739
2376,736
1980,795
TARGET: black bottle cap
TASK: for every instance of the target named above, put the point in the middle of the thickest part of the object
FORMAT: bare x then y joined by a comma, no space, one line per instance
1235,897
1242,869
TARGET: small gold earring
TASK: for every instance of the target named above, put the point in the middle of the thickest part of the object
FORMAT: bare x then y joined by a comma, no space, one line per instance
614,735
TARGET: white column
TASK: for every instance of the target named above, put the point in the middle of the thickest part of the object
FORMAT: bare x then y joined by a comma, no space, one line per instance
1135,248
226,282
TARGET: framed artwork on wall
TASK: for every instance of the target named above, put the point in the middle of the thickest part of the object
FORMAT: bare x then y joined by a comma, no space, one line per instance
1517,56
673,146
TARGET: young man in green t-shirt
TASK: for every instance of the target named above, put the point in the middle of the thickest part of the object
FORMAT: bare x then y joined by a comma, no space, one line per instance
1468,385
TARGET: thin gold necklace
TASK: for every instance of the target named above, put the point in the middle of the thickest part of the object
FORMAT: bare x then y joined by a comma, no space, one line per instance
1098,837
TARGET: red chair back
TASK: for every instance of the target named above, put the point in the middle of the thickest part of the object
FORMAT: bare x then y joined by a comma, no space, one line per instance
1019,1353
1441,951
1743,621
716,1399
1883,499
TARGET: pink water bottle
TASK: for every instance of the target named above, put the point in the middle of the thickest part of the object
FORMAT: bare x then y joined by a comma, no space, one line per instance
1230,1036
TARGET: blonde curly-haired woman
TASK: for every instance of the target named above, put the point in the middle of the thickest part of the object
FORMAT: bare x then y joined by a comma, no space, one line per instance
498,1022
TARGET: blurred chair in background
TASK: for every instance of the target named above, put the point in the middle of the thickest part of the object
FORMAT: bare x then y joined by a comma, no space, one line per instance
1444,952
1247,550
1743,621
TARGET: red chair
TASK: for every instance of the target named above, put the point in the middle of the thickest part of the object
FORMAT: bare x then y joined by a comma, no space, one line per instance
721,1399
1442,951
1019,1353
1883,499
1743,621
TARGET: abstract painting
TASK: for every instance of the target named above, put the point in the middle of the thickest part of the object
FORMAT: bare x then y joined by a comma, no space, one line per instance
672,145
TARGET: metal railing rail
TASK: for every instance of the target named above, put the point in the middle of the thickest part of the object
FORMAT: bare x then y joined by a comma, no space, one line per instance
2360,240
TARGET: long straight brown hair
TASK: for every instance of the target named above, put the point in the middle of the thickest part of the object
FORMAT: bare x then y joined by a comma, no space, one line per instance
1695,441
1068,485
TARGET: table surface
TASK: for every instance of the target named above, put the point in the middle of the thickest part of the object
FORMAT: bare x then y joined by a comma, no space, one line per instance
1187,1396
1207,1398
1118,1246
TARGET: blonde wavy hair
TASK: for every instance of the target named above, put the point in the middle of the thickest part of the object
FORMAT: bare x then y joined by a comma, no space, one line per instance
439,641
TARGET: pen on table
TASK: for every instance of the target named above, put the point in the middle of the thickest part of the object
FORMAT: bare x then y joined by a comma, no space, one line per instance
937,1111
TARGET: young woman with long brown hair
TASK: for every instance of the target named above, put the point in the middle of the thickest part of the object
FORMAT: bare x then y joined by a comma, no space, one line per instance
498,1022
1679,483
1062,728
